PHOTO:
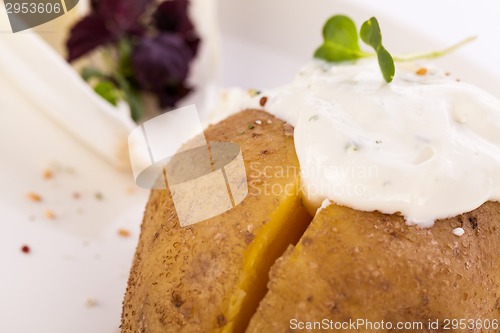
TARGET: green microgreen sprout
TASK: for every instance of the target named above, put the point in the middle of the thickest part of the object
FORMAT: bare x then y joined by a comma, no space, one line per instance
370,34
341,43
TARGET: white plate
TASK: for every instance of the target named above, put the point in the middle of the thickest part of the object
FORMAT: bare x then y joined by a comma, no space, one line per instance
79,255
74,257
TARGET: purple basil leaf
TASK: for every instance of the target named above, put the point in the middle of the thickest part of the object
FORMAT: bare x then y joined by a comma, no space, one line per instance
193,44
86,35
170,95
121,15
158,62
94,5
172,16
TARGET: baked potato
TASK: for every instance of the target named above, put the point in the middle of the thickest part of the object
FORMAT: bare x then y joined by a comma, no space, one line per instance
211,276
369,267
216,275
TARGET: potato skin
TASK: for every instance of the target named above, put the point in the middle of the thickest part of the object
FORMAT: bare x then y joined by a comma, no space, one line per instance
347,265
183,278
351,265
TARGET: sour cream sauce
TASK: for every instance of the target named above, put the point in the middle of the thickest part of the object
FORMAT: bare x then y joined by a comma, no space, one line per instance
425,146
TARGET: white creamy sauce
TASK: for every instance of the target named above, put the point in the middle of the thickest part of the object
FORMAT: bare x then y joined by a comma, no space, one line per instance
425,146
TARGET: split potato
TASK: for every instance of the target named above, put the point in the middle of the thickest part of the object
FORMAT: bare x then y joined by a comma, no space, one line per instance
372,267
247,270
210,276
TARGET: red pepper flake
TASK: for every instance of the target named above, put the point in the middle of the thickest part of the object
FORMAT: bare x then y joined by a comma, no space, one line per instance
263,101
48,174
25,249
35,197
76,195
50,214
123,233
422,71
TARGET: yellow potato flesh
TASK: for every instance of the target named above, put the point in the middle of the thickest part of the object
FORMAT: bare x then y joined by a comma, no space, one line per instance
209,277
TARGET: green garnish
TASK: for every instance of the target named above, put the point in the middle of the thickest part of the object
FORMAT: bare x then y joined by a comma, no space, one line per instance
108,91
370,34
434,54
340,40
341,43
115,87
